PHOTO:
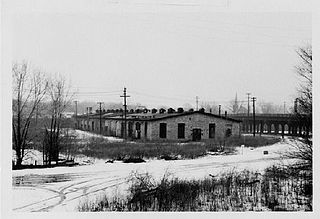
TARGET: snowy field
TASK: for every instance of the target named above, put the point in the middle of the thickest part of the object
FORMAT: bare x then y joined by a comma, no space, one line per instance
62,188
84,136
35,157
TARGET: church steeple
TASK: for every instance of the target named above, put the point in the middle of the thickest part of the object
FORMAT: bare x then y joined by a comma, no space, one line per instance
236,104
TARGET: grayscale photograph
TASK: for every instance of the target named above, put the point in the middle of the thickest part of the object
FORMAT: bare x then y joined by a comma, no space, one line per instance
157,106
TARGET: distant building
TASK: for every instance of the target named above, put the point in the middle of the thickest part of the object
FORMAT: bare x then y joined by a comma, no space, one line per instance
171,125
67,114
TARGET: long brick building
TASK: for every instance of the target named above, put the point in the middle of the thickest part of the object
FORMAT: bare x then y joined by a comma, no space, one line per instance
171,125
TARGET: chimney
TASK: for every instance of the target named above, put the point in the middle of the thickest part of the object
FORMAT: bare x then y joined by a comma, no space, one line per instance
89,110
225,114
296,105
219,110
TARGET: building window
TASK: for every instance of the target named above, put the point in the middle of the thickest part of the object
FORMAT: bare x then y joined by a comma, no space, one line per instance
163,130
181,130
212,130
228,130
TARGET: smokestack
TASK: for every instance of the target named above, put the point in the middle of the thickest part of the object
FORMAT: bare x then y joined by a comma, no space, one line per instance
296,105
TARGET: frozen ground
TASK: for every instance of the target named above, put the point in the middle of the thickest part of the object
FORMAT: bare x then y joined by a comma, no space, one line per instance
83,135
62,188
34,156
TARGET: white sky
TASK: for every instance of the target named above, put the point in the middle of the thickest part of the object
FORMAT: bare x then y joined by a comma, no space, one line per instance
165,54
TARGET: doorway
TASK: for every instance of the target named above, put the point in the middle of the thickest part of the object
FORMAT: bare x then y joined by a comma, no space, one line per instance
196,134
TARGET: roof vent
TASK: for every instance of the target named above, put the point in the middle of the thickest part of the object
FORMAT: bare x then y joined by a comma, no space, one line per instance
191,110
161,111
202,110
171,110
154,110
180,110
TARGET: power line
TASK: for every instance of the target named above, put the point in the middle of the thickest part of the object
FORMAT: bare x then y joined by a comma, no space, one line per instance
231,31
160,97
201,20
95,92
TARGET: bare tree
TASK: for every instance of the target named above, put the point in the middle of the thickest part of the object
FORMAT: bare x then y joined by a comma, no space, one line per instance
29,89
304,70
268,107
210,107
302,148
60,98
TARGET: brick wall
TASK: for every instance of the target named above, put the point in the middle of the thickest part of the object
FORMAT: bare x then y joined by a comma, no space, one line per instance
191,122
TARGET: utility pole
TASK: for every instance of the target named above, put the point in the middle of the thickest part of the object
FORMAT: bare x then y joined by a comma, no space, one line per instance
125,111
197,102
296,105
76,102
254,115
100,117
88,118
248,104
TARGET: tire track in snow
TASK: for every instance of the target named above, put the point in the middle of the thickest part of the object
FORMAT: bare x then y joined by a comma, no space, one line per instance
84,194
61,194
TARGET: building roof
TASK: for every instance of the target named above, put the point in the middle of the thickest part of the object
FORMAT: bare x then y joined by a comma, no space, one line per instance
154,116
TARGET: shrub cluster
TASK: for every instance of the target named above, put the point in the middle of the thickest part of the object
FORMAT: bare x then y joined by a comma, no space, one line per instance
274,190
101,148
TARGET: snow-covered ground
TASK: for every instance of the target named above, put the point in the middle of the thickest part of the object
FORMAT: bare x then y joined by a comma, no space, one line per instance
83,135
35,156
62,188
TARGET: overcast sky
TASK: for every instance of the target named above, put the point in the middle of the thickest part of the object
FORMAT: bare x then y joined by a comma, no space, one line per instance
165,54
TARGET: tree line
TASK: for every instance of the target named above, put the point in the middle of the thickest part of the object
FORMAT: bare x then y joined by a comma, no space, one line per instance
36,93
